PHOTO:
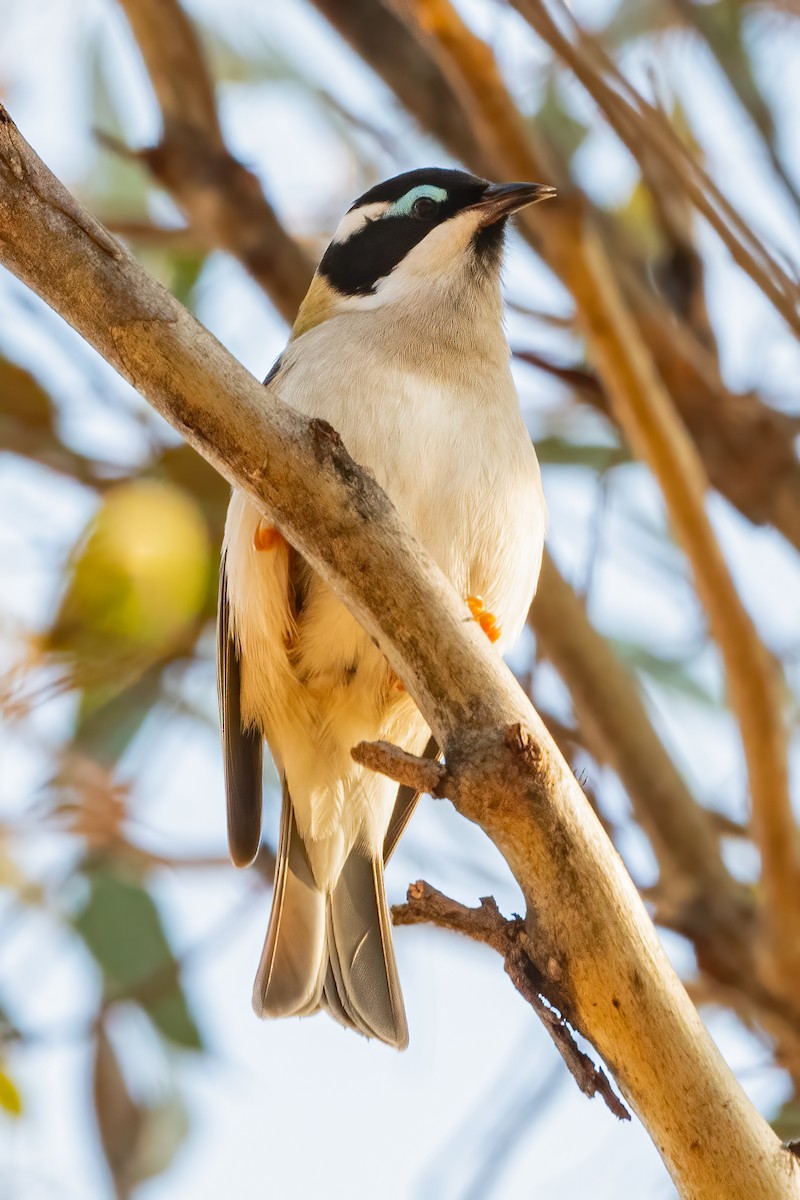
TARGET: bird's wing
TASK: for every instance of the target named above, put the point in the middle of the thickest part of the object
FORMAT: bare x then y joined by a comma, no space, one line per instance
404,806
241,748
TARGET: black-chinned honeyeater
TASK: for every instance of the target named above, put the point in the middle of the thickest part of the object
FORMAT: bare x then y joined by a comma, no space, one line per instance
399,345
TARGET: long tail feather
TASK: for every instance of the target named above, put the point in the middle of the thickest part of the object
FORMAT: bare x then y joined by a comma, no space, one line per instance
294,960
242,748
361,952
331,952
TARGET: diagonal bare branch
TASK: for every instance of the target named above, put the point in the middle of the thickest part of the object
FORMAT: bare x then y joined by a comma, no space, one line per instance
505,772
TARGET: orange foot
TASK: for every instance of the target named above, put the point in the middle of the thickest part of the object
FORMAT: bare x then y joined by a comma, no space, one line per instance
395,683
266,537
486,620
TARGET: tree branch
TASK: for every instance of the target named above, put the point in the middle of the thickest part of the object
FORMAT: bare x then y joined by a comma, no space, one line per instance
422,774
486,924
504,770
222,200
645,410
646,132
717,910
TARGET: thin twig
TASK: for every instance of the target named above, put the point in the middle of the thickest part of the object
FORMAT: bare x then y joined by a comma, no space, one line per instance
646,131
486,924
422,774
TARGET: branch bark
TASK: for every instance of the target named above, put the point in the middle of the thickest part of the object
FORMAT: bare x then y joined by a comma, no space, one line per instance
504,771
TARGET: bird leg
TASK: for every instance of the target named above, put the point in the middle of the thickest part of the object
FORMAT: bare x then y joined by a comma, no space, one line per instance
267,537
486,620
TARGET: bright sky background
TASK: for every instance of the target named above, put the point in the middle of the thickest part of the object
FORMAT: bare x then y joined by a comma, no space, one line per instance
303,1109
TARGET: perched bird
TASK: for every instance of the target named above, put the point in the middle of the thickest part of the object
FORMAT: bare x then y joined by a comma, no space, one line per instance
399,345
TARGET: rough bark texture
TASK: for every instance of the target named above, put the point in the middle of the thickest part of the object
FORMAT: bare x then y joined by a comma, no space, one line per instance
587,930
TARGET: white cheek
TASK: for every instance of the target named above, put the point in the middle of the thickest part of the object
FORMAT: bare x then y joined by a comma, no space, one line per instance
353,221
432,264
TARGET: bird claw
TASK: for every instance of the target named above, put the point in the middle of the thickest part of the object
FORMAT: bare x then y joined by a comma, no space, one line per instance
266,537
486,620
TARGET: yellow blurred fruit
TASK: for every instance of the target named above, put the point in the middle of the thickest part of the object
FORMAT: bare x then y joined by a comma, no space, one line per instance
139,576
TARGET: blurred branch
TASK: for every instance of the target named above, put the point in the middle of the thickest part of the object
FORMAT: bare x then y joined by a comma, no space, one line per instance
721,27
223,201
716,911
646,131
733,432
611,977
644,409
145,233
486,924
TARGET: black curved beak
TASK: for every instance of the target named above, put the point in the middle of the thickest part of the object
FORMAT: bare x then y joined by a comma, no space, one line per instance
503,199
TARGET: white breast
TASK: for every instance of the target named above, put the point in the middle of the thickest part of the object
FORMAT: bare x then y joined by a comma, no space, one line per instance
450,449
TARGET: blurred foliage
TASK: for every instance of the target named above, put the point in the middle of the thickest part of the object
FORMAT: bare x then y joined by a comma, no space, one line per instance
135,594
121,926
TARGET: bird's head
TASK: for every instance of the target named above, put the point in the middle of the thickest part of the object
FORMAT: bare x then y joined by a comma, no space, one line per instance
415,240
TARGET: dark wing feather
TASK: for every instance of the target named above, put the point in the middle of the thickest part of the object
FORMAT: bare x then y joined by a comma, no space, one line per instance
242,749
404,807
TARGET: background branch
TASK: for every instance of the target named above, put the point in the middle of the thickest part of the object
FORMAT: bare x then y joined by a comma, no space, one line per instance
223,201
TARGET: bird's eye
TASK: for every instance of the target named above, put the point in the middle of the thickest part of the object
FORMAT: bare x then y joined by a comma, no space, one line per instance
424,207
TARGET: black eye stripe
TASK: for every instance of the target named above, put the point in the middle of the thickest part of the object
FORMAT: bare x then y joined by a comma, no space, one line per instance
355,266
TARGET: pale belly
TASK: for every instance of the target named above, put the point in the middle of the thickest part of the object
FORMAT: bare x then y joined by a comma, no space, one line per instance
459,467
464,477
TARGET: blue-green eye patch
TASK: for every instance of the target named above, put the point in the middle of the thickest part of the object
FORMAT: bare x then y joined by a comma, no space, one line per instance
404,207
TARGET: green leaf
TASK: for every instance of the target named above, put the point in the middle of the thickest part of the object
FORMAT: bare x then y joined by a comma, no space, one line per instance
109,718
562,452
122,928
672,672
119,1117
139,1139
786,1122
165,1128
557,123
